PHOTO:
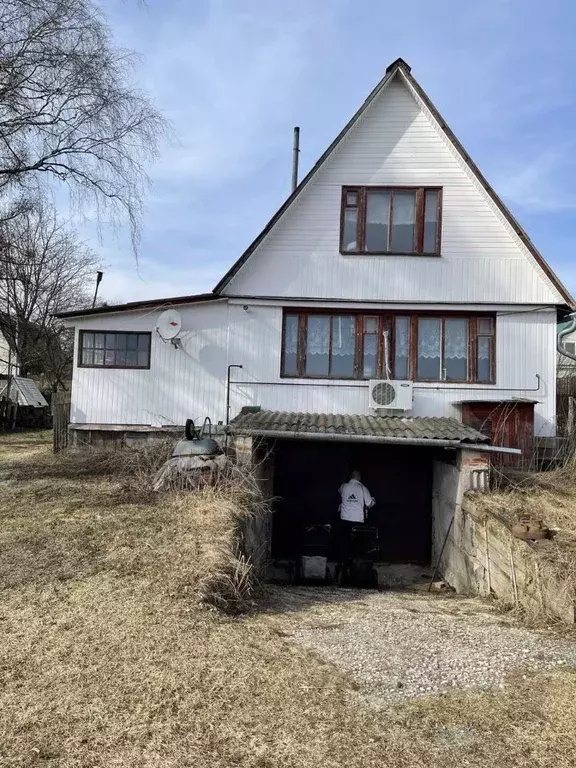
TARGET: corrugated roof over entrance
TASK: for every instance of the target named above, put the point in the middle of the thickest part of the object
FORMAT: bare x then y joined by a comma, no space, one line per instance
251,421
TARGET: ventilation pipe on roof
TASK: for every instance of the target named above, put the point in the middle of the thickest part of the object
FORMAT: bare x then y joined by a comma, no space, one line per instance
295,154
99,276
565,332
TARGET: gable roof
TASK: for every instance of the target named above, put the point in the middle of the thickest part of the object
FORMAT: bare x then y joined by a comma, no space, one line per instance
25,392
402,69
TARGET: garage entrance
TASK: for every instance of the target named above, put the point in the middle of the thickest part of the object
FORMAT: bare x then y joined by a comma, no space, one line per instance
308,473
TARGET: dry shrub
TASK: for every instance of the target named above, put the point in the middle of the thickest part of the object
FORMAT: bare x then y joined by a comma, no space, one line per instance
221,569
227,568
107,662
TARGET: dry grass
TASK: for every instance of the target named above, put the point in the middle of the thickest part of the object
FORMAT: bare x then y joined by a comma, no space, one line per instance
546,496
106,660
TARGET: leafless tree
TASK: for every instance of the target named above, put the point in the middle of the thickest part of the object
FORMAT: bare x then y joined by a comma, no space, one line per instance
44,269
68,108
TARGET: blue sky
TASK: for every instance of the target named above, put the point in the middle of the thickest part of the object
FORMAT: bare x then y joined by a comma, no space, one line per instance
235,76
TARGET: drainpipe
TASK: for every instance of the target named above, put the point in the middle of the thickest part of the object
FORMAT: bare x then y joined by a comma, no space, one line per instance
228,382
565,332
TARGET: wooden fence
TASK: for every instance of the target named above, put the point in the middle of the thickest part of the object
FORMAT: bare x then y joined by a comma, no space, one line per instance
8,415
60,420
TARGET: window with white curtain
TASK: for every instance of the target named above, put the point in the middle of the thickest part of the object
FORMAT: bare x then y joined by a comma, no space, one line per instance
291,345
402,347
430,348
485,349
450,348
443,348
330,346
456,338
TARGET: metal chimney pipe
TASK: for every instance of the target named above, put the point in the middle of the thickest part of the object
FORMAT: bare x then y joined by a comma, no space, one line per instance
295,153
99,276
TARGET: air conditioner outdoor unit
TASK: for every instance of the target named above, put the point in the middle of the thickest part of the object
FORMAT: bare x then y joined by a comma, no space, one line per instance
387,394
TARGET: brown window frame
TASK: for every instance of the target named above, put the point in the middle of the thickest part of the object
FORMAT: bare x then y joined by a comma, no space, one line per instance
387,321
137,367
360,207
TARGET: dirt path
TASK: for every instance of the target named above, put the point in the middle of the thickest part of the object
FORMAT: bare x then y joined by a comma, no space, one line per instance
400,645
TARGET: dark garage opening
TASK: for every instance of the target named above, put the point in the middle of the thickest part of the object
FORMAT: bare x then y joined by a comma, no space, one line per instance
308,473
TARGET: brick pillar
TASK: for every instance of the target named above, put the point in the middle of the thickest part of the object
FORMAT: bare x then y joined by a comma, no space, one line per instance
474,469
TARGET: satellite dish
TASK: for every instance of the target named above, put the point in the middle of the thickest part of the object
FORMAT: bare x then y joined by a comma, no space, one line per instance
169,324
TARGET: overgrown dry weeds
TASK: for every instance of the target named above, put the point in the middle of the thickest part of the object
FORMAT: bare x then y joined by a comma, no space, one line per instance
105,659
547,496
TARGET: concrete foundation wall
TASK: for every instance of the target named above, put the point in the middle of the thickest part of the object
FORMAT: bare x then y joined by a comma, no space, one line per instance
112,437
256,531
452,477
482,557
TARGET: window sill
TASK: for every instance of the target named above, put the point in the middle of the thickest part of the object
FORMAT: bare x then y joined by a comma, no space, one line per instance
296,379
116,367
459,383
390,253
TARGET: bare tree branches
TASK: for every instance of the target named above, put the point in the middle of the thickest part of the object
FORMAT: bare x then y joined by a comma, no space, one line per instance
44,269
67,108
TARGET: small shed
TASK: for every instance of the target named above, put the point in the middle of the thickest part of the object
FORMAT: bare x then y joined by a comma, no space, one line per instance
24,392
32,407
508,423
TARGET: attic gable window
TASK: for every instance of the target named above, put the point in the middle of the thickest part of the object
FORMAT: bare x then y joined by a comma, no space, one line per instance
401,221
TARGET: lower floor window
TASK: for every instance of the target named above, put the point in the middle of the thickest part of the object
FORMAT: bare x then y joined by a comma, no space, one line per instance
443,349
401,346
111,349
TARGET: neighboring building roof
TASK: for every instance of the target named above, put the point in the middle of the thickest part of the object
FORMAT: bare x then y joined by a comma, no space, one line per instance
393,428
133,305
25,392
400,67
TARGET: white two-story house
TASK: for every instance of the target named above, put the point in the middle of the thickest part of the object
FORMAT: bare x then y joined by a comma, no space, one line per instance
393,300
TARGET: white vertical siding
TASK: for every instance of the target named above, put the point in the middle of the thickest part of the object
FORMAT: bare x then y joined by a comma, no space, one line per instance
525,343
191,382
181,383
396,143
4,355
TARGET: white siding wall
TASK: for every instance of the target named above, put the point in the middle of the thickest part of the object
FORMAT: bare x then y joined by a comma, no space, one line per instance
395,142
191,382
181,383
4,354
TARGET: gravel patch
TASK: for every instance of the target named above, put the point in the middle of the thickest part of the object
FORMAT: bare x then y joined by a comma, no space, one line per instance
399,646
